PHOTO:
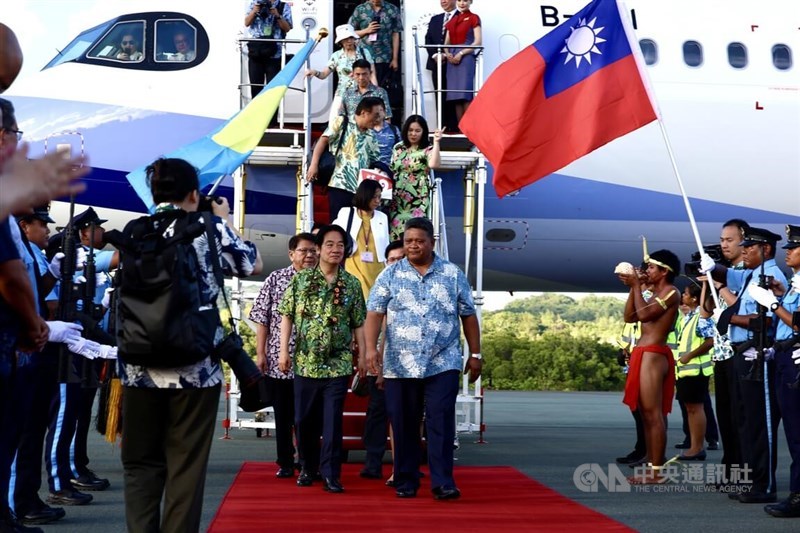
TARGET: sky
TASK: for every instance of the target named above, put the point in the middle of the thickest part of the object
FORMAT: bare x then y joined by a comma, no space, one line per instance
43,26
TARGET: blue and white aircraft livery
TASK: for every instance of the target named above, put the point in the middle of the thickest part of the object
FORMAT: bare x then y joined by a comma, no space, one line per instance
724,74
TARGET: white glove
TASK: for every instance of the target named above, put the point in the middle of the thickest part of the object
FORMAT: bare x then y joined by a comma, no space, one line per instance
751,354
100,279
66,332
795,282
796,356
86,348
108,352
706,264
762,296
106,301
55,264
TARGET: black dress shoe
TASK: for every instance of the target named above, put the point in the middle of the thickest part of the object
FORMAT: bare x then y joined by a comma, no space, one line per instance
304,479
632,457
332,484
701,456
683,445
370,474
284,472
90,482
442,493
788,508
406,493
69,497
43,515
15,526
713,445
758,497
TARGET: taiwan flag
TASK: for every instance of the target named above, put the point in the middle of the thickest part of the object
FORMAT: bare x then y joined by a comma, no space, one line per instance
572,91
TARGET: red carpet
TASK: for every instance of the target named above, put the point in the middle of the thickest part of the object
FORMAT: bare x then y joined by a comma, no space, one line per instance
258,501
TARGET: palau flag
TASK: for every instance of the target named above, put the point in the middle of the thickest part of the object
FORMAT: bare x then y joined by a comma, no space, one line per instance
223,150
572,91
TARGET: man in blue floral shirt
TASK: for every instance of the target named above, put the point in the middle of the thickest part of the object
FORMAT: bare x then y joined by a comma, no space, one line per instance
325,305
265,19
303,255
423,298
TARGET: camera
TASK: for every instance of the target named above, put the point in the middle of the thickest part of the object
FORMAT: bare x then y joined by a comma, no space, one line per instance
263,12
692,267
206,203
255,391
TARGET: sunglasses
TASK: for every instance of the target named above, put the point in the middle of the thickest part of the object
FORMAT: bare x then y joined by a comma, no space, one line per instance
128,42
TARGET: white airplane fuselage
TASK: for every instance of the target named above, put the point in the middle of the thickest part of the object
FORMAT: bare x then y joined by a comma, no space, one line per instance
734,132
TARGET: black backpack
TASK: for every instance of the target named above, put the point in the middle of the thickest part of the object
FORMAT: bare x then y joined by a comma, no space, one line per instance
163,321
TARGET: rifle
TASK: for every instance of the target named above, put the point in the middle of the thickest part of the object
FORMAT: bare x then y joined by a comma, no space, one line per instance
759,326
67,296
90,313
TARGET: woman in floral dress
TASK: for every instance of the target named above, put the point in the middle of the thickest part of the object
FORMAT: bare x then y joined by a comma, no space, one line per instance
341,62
412,160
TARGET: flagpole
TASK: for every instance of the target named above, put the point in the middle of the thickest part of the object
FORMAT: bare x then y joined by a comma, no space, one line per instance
688,205
624,16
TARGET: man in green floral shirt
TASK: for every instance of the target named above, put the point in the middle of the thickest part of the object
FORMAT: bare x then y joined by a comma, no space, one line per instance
379,25
355,147
325,305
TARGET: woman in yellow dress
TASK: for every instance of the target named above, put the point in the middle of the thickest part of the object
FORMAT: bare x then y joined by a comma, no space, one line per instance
369,230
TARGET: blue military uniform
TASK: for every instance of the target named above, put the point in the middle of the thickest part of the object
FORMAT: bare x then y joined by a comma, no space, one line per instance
39,377
70,413
787,340
757,403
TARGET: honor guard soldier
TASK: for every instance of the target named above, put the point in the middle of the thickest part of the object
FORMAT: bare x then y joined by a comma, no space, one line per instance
785,302
756,375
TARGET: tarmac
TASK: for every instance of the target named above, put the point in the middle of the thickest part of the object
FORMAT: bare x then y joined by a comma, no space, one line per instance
545,435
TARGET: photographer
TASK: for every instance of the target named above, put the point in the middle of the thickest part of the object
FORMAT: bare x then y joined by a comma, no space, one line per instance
265,19
169,412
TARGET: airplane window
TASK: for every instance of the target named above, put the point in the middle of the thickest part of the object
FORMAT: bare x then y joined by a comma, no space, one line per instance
737,55
78,45
649,51
782,57
176,40
692,53
123,42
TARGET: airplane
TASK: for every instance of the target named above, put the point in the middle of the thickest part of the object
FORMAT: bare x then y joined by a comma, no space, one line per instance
723,74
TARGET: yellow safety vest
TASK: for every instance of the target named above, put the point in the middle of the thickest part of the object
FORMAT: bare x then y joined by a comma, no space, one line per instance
688,340
631,331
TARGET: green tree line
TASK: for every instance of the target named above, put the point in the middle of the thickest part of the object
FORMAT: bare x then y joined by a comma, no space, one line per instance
554,342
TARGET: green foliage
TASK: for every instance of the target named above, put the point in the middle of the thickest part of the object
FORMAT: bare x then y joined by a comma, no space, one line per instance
553,342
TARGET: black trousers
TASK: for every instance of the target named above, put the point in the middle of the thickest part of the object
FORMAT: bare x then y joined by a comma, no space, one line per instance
319,407
726,385
405,401
27,468
284,421
641,446
375,428
789,402
261,72
80,456
337,199
758,453
166,439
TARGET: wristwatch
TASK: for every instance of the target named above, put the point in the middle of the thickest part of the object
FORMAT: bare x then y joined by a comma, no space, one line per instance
476,356
774,306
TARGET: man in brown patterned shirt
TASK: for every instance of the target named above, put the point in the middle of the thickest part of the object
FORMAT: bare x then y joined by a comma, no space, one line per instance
303,254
